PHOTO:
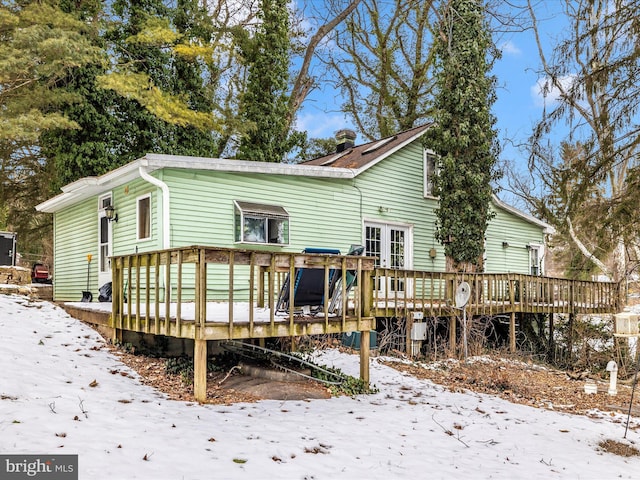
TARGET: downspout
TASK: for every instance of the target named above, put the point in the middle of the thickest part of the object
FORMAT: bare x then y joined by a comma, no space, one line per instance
166,238
166,231
354,184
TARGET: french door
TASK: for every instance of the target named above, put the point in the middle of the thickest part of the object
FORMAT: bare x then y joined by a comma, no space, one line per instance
392,246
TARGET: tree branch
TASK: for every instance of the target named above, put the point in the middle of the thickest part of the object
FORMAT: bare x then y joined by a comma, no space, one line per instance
304,83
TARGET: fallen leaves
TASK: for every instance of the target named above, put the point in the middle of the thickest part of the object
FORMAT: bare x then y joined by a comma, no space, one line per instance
518,382
619,448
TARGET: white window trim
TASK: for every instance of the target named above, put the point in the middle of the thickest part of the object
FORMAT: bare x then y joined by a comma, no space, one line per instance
428,192
104,271
244,208
138,199
541,254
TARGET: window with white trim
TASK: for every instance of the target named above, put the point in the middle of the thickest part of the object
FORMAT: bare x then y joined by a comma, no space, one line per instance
143,215
429,169
535,258
104,234
259,223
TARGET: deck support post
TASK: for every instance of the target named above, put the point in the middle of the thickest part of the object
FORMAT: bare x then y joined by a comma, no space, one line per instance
570,339
365,341
200,370
551,346
117,336
409,345
452,336
512,333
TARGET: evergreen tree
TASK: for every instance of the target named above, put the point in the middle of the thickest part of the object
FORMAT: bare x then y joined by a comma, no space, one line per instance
89,149
265,102
148,60
163,103
463,135
192,79
39,46
115,126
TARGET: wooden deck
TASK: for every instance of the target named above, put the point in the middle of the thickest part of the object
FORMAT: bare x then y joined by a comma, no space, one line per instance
432,293
209,293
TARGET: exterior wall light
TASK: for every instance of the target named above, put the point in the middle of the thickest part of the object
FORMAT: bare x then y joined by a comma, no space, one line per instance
111,213
505,244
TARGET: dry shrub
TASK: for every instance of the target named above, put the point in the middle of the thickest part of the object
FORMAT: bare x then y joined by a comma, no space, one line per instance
619,448
493,380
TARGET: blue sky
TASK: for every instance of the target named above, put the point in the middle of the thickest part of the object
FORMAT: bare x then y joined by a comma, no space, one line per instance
519,102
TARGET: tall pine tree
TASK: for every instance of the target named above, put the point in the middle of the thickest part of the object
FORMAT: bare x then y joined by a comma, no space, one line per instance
39,46
89,149
264,104
463,135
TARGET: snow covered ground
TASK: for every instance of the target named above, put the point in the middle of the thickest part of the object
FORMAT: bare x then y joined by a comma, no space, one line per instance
61,392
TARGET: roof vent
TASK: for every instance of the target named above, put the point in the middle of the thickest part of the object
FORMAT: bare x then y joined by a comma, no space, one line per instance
345,139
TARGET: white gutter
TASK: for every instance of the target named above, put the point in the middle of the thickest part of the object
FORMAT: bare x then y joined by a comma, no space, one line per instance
166,231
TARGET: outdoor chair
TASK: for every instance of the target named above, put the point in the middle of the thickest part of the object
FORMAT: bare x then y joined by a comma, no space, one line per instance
308,289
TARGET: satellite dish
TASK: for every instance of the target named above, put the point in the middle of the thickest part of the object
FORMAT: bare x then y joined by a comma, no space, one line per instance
463,292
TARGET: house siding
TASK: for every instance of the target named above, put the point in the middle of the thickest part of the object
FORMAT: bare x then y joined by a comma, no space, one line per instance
401,176
76,236
323,212
125,230
517,233
396,184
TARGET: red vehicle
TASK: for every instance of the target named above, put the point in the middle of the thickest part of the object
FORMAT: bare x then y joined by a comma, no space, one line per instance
40,273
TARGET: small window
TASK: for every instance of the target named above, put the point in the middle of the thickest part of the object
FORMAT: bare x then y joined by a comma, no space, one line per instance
258,223
144,217
429,172
534,259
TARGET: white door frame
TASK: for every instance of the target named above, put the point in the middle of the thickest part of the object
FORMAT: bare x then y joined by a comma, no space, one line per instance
385,259
105,243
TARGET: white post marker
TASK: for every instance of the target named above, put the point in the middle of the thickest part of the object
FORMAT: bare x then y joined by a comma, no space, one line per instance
612,368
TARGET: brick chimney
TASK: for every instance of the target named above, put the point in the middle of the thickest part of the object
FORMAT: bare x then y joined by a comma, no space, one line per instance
345,139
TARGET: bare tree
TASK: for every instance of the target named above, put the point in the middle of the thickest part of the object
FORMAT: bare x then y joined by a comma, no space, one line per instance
592,75
304,82
382,62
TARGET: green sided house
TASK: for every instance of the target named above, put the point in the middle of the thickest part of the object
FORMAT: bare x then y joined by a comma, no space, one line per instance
377,194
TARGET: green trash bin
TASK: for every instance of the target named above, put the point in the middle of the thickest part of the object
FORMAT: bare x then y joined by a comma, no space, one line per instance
352,340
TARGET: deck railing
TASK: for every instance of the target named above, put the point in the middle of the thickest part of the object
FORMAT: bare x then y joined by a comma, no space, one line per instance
186,292
210,293
180,291
397,291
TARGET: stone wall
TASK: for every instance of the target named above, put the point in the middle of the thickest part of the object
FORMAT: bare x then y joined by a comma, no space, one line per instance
14,275
17,280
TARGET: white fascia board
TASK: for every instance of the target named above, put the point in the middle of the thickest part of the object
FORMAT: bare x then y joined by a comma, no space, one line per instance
89,186
80,184
390,152
64,199
547,228
121,175
155,161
